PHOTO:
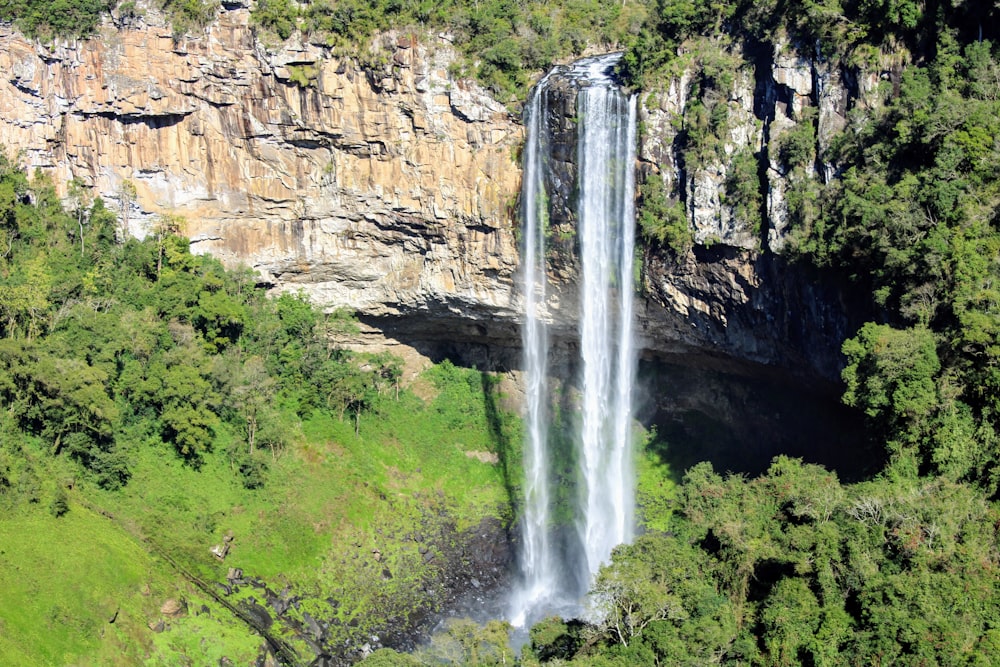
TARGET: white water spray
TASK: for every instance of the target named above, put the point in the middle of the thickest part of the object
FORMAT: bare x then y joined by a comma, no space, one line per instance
556,573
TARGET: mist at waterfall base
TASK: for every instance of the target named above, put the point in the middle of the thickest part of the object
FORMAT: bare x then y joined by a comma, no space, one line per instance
579,479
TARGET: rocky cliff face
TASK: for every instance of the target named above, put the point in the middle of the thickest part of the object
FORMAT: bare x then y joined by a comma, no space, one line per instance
384,190
768,91
734,291
392,190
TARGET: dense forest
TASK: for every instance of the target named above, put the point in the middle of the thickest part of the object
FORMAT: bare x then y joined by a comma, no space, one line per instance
130,369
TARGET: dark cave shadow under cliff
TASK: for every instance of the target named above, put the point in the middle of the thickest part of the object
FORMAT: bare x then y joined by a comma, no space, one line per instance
739,417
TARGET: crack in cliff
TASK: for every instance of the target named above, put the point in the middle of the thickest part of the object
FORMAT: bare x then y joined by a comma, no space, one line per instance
152,121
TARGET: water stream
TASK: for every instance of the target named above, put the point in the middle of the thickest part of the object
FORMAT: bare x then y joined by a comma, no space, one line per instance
556,573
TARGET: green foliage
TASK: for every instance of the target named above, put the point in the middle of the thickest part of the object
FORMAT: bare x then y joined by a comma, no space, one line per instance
670,22
793,568
796,148
60,504
705,130
463,642
47,19
503,41
189,15
278,16
891,374
303,76
652,589
743,194
387,657
98,569
912,218
662,220
105,340
553,638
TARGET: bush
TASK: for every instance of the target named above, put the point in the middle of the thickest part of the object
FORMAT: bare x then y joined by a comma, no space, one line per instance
661,220
60,504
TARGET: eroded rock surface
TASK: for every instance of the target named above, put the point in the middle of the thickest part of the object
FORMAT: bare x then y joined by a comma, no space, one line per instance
383,190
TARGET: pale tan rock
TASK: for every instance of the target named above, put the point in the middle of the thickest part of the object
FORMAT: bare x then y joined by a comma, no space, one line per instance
378,192
172,608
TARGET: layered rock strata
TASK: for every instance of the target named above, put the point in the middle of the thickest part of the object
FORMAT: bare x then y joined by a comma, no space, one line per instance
378,189
391,190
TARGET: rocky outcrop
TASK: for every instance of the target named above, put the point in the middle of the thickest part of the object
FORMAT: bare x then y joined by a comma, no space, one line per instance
384,189
766,91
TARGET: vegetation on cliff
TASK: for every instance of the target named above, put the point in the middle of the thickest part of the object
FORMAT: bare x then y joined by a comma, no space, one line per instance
857,31
503,41
46,20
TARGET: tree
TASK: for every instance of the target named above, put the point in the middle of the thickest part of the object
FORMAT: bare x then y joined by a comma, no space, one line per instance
891,376
660,582
127,195
167,224
388,370
253,393
188,410
80,201
67,403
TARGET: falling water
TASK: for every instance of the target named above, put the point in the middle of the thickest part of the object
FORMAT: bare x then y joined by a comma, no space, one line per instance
538,564
556,573
606,227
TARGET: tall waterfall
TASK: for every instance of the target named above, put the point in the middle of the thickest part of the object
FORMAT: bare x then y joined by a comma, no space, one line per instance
557,566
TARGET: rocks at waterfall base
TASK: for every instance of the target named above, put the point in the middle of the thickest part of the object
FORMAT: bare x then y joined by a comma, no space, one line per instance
466,570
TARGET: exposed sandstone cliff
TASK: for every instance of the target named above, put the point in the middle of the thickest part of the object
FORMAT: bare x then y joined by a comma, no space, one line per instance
383,190
391,190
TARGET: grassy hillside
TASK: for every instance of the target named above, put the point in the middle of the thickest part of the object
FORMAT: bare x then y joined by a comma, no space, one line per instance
156,406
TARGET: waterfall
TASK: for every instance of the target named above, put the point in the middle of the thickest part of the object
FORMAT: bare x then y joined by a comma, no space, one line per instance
538,565
557,572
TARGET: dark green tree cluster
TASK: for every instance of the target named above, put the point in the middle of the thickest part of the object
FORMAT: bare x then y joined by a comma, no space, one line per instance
912,219
107,347
792,568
